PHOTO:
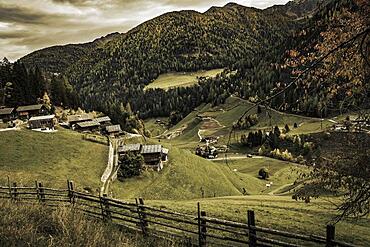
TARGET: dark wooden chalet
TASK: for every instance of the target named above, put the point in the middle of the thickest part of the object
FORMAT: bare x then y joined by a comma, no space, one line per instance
113,129
7,114
41,122
28,111
87,126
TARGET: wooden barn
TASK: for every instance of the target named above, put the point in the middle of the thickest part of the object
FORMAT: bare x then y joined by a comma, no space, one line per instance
28,111
74,119
87,126
113,129
135,148
7,114
41,122
104,121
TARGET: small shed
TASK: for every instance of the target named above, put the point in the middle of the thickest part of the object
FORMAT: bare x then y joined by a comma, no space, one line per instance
7,114
165,154
28,111
113,129
40,122
88,126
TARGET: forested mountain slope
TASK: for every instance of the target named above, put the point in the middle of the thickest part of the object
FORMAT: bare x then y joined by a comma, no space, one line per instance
266,49
113,72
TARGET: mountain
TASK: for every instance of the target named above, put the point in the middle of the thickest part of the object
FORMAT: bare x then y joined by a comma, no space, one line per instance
116,68
57,58
111,72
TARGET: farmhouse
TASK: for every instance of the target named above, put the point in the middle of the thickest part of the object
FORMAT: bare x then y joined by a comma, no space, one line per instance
87,126
28,111
113,129
154,155
41,122
7,114
74,119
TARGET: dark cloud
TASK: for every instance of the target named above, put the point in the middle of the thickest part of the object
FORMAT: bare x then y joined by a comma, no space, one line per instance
18,14
29,25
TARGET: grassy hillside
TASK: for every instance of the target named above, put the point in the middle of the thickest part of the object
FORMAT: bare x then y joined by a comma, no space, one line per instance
187,174
228,113
37,225
51,157
279,212
181,79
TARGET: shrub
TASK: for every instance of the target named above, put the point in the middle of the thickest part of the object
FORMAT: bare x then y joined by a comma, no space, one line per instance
263,173
131,165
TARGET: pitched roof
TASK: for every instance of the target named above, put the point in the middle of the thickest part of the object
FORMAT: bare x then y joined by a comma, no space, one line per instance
88,124
151,149
113,128
29,107
129,148
102,119
78,118
41,118
6,111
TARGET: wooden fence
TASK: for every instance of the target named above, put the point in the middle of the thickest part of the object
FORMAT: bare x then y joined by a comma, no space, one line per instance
193,230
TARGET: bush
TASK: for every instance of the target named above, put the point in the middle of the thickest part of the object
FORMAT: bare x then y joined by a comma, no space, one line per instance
131,165
263,173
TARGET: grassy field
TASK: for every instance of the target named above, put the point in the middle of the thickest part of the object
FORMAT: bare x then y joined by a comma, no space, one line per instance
279,212
187,174
155,128
51,157
181,79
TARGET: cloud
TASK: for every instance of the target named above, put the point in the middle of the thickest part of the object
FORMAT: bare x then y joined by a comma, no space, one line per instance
29,25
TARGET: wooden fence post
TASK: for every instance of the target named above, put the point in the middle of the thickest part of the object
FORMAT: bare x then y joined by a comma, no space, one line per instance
14,191
71,196
37,190
41,192
10,189
142,215
330,235
104,203
203,228
199,227
252,230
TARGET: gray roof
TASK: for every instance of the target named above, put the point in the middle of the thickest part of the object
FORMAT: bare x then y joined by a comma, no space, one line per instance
6,111
29,107
88,124
41,118
151,149
113,128
129,148
102,119
79,118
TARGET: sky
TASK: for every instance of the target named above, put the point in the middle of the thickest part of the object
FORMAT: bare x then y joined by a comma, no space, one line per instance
29,25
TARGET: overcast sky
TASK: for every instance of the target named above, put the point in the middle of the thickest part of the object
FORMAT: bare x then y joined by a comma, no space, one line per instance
28,25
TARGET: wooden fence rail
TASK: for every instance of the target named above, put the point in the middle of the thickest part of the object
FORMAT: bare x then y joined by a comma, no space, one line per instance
197,230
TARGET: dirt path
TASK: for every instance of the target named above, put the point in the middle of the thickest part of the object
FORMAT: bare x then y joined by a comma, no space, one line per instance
110,173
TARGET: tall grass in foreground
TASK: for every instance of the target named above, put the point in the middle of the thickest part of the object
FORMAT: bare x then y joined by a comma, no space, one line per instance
35,225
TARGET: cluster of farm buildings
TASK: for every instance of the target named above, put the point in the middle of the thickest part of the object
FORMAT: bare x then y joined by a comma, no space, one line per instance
154,155
39,117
